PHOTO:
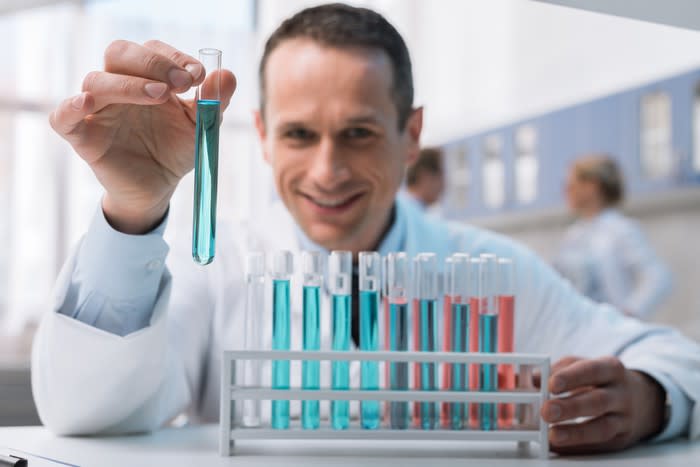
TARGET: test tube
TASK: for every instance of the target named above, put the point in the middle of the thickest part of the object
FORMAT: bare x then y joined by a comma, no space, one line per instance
206,158
506,320
459,298
474,368
370,284
340,281
426,273
282,269
397,288
255,304
415,323
312,269
446,407
488,336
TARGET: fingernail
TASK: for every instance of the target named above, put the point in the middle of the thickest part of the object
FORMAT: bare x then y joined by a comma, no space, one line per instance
558,385
155,90
179,78
194,69
554,412
78,101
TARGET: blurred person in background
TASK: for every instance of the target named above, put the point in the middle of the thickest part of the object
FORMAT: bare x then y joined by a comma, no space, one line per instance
604,254
425,180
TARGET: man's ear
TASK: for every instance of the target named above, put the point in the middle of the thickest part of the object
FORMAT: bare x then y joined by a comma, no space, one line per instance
414,127
262,134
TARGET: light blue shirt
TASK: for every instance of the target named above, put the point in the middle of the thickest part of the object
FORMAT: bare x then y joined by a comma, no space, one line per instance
117,278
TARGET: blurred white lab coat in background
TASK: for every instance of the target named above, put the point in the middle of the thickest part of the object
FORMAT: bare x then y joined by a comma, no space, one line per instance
608,259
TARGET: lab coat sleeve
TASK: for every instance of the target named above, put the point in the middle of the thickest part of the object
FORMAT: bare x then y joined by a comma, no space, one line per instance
88,380
116,276
570,324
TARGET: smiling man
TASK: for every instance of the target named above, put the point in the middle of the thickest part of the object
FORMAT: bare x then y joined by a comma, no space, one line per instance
131,343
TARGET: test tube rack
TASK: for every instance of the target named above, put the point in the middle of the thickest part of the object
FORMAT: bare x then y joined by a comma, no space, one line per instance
231,393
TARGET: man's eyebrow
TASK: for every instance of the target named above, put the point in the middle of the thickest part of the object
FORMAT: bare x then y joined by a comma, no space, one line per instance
370,118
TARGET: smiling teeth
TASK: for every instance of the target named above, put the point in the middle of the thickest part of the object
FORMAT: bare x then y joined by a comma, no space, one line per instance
330,204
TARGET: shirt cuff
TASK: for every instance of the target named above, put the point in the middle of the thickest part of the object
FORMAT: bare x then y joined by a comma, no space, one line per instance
118,265
679,405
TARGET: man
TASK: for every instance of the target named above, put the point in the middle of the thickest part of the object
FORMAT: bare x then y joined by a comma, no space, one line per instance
130,343
425,180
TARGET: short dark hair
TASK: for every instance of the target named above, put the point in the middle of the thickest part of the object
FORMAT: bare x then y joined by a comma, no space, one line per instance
429,161
604,171
341,25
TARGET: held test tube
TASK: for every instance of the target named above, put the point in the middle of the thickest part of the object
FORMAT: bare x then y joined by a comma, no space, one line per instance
370,274
426,272
488,328
282,269
255,304
340,285
397,288
206,158
506,320
312,269
458,291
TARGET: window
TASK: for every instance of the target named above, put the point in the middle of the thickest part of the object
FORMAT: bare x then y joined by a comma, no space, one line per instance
459,178
526,164
656,150
493,172
696,129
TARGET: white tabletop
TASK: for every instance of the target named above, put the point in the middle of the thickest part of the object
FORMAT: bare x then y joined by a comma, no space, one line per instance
198,446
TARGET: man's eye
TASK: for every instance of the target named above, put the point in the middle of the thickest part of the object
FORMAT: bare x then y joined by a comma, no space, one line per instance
299,134
358,133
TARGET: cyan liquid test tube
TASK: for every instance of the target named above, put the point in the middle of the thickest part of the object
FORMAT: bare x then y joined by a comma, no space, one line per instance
312,269
458,291
427,292
282,269
398,280
340,285
254,309
506,322
488,336
369,286
206,158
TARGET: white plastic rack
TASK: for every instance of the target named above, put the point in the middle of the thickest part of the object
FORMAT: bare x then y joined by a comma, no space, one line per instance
230,430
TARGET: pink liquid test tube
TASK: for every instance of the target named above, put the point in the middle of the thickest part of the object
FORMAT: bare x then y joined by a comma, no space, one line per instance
506,321
445,407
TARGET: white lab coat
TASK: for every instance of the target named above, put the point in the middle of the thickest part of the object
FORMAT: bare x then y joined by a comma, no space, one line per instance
608,259
89,381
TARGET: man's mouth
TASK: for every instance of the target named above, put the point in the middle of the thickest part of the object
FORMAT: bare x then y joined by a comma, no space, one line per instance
332,205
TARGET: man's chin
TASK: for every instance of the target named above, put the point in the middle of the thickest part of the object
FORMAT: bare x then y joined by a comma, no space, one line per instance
331,237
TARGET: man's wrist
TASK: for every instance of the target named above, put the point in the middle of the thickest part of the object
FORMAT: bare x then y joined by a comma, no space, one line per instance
652,404
133,221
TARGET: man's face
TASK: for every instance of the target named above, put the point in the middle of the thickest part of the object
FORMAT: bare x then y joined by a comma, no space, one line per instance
332,138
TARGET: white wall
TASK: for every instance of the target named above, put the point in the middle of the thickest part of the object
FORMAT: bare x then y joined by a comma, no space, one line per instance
482,63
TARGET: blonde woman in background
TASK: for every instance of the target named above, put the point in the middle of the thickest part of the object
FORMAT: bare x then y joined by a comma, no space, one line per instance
605,254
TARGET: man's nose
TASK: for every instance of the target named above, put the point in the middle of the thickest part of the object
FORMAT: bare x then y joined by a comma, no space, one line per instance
328,168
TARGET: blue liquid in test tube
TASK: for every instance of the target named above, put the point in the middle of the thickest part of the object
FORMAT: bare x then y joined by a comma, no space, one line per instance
311,378
426,271
281,273
397,287
488,332
370,273
340,285
458,289
206,159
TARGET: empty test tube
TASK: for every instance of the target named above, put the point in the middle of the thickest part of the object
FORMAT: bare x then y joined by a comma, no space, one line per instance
340,285
426,272
282,269
398,281
206,158
312,269
369,286
255,306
